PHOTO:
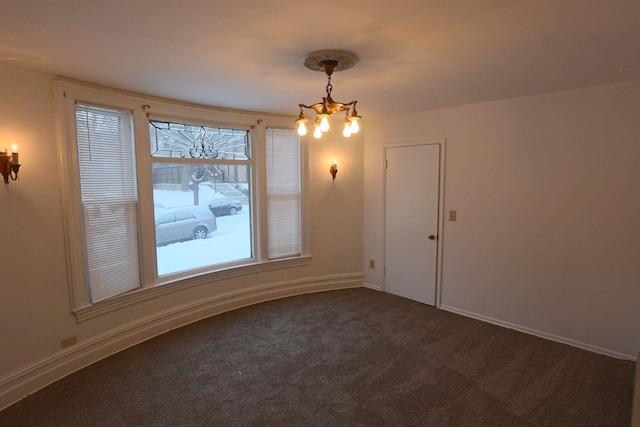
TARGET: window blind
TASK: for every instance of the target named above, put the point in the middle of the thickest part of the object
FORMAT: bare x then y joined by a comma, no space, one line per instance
109,200
283,193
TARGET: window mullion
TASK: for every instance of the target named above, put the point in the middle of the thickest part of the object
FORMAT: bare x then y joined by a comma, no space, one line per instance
260,198
145,198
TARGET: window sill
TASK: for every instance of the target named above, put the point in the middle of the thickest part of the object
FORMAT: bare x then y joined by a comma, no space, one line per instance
113,304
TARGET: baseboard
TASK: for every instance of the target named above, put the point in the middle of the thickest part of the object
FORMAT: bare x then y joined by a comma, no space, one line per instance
635,416
370,286
540,334
20,383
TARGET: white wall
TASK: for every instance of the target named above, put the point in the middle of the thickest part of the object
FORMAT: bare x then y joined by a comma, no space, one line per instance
547,191
547,238
34,305
35,312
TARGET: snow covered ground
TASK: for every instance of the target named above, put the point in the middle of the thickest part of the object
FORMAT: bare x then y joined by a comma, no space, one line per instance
230,242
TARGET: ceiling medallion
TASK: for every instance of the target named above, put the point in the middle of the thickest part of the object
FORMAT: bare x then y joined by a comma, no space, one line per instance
329,61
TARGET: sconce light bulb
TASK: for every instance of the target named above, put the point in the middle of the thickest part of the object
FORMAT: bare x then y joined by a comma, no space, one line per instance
317,133
302,129
354,126
324,124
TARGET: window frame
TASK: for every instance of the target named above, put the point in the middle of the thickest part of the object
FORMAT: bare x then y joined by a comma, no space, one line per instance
143,108
278,190
149,226
115,186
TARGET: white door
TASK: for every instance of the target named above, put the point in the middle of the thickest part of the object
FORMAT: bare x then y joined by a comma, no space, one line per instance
412,195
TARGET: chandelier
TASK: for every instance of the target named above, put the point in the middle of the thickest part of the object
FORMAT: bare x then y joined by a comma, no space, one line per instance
329,61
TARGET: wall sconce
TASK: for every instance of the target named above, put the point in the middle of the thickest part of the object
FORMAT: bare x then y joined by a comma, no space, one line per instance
333,169
9,165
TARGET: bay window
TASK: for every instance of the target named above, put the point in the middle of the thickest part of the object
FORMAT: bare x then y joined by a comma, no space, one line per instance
158,196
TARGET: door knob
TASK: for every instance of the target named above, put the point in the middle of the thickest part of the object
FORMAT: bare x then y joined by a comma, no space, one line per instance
432,236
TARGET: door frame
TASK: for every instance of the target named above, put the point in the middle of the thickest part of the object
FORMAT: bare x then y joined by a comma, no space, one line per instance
442,143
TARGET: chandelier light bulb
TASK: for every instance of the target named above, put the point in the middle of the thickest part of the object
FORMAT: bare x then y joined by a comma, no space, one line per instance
355,128
346,131
324,124
317,133
302,129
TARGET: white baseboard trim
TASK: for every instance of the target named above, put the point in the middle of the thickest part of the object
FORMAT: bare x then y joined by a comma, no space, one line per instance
635,414
540,334
374,287
27,380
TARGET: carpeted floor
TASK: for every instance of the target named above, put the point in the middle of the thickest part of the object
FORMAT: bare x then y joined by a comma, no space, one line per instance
342,358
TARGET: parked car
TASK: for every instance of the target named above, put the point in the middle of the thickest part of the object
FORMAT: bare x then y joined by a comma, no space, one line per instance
175,224
224,206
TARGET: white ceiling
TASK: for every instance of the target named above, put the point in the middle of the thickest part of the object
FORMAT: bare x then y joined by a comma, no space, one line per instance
247,54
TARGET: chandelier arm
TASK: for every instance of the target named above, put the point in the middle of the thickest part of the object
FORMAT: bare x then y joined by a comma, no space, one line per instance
350,104
318,106
315,107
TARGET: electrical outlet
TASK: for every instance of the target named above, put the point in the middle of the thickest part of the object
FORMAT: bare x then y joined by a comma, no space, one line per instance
453,215
68,342
372,263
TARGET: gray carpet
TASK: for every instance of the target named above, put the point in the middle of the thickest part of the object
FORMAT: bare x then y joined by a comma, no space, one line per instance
342,358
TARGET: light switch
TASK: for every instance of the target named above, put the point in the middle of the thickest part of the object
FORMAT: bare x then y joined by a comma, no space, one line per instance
452,215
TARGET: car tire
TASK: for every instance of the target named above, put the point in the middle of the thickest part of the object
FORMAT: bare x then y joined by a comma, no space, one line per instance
199,233
233,211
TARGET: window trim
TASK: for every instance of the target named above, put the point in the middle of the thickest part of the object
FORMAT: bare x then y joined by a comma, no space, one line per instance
145,294
66,95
